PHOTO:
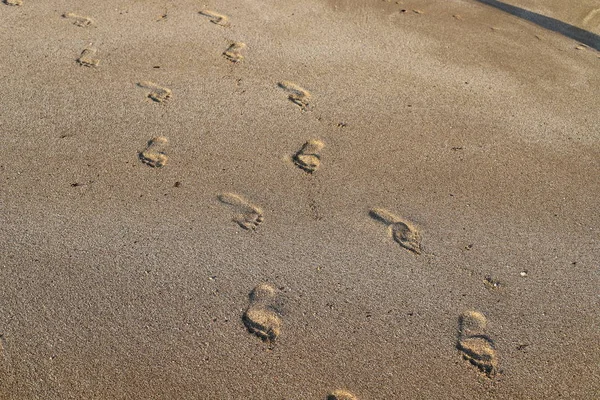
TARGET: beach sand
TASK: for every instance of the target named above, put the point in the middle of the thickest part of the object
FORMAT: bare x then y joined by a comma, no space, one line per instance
412,189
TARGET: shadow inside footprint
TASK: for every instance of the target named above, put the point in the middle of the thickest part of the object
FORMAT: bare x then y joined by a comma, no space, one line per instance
249,217
250,220
403,232
308,158
408,237
234,52
159,94
481,352
154,154
296,94
216,18
261,317
474,343
87,58
263,322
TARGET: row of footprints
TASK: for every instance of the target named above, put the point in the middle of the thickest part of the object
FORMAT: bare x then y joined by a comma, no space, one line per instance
87,58
161,94
263,318
308,158
405,233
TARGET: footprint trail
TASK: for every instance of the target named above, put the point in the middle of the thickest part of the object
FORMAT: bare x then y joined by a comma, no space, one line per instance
249,216
154,154
474,343
403,231
261,317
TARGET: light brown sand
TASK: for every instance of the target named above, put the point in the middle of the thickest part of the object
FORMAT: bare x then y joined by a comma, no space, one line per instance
121,281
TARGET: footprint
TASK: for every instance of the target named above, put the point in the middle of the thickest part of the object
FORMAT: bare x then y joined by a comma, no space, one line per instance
474,343
154,154
249,217
403,232
159,94
308,157
234,52
341,395
591,16
87,58
216,18
13,2
297,95
78,20
261,317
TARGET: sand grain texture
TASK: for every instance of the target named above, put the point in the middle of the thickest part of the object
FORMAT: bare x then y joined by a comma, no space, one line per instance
123,281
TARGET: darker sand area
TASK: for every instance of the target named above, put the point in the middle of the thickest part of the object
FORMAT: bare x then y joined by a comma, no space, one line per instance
296,200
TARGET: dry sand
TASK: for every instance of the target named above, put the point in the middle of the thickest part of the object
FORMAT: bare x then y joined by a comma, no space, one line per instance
125,277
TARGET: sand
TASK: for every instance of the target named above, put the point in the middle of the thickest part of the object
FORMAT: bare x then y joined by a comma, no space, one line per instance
125,276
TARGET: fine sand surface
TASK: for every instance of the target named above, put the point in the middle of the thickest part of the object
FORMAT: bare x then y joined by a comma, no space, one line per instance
401,199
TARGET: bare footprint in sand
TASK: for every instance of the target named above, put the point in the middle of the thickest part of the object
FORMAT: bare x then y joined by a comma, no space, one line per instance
154,153
234,52
249,216
341,395
13,2
403,231
308,157
261,317
78,20
87,58
297,95
159,94
474,343
216,18
592,18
